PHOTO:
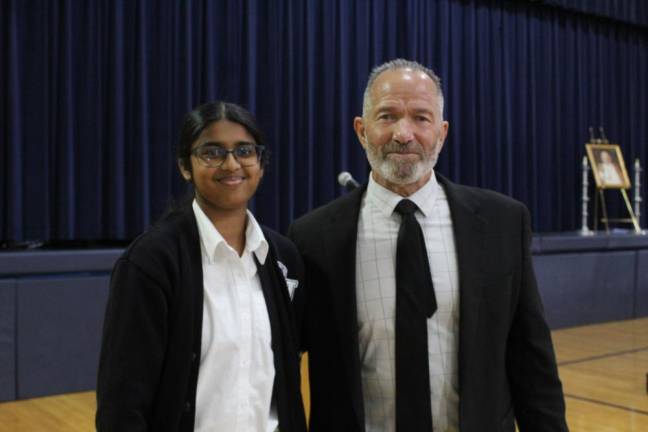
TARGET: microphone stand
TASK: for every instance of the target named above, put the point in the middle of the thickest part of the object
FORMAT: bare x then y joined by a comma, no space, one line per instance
637,193
585,231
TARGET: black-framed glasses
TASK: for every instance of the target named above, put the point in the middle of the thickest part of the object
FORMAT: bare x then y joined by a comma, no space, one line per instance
214,155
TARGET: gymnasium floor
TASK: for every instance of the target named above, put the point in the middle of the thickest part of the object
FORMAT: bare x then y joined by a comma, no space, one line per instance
603,368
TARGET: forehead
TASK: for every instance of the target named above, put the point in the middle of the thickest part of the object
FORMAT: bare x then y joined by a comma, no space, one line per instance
224,131
404,85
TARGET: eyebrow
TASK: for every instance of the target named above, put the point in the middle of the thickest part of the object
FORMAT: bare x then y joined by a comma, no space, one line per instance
220,144
423,110
385,109
387,106
392,108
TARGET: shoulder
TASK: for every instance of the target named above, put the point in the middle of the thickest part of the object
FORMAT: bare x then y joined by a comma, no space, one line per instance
501,213
284,250
488,198
281,243
345,207
159,247
485,198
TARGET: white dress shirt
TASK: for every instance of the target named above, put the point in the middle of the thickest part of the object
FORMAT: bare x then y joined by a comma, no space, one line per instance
376,293
236,374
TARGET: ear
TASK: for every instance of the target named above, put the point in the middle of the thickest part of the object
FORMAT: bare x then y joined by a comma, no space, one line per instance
186,174
444,130
443,133
359,127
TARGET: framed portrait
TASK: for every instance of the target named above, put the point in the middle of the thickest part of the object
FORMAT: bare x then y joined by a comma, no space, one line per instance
607,165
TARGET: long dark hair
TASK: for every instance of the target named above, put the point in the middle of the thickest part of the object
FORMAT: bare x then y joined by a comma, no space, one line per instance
204,115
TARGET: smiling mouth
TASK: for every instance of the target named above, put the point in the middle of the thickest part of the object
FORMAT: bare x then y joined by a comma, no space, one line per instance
231,180
399,154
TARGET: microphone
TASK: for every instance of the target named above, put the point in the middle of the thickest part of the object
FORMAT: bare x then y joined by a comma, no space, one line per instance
346,180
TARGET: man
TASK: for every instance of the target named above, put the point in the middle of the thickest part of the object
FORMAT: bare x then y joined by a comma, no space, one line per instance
489,357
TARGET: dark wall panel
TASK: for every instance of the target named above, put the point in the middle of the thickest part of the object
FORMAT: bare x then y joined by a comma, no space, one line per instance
59,328
642,284
7,340
586,288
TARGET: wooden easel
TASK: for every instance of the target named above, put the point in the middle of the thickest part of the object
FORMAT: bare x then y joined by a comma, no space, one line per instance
596,150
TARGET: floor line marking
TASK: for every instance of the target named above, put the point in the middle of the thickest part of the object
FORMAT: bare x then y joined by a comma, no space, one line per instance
608,404
602,356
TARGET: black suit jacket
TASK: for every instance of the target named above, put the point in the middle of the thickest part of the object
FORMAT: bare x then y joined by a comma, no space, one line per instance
150,353
506,362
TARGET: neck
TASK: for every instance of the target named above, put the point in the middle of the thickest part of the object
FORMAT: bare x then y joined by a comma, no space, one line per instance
231,224
403,190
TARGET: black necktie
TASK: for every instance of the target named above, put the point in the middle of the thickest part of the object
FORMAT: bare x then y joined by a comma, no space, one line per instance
415,303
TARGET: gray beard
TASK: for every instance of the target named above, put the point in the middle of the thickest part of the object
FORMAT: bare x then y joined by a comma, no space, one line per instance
400,173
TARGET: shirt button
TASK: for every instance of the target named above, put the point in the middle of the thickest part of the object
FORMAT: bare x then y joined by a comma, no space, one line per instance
187,406
194,356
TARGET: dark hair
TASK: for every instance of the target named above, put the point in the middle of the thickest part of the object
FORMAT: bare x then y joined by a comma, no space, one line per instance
204,115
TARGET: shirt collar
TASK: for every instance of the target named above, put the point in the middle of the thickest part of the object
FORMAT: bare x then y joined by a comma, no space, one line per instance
211,239
386,200
255,241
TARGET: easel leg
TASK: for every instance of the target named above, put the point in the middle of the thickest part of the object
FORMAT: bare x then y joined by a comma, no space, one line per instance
635,222
604,211
596,211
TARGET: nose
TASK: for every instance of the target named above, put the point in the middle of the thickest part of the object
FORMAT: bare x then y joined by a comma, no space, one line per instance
403,131
230,163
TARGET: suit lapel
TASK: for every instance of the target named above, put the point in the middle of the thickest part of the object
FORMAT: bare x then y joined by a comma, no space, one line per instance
469,228
340,250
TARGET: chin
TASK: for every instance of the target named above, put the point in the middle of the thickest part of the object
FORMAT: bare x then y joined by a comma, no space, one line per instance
226,204
234,204
403,174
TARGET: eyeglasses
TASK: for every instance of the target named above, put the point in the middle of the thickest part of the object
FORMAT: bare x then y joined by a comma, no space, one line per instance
213,155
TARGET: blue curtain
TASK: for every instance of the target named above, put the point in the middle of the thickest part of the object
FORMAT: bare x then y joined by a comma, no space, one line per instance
628,11
93,94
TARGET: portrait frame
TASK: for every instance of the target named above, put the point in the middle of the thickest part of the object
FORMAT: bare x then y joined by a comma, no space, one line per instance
608,166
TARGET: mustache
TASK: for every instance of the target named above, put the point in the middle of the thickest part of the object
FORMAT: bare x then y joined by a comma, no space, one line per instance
408,147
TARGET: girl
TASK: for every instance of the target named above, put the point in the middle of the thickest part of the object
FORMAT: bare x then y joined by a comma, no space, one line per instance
199,331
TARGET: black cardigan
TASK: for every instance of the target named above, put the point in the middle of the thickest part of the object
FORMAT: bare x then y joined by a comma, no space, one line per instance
150,352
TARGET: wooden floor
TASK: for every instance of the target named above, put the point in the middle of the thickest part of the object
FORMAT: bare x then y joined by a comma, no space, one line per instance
603,368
